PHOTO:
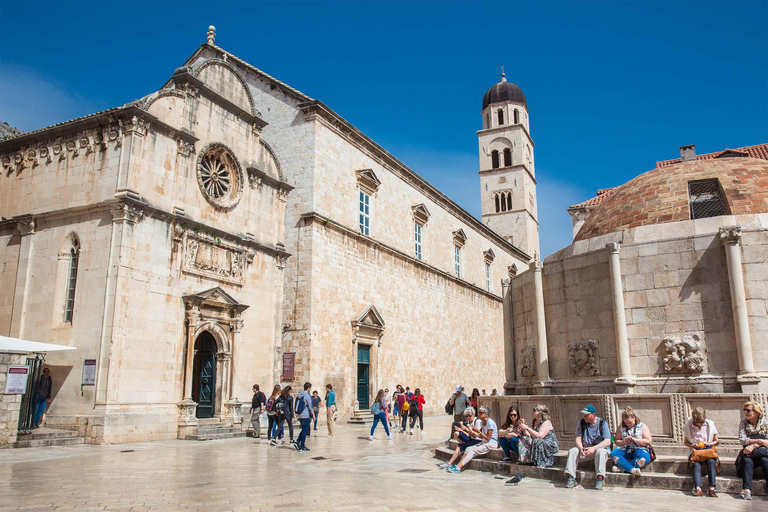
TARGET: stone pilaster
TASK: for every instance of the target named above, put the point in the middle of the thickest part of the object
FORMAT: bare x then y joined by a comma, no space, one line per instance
730,236
625,382
509,339
26,227
542,352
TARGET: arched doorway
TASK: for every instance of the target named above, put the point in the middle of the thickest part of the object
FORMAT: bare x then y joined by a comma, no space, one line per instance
204,375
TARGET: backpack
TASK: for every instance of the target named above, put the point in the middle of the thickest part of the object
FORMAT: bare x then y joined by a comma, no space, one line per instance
405,407
448,408
414,404
270,405
300,405
281,407
599,439
376,409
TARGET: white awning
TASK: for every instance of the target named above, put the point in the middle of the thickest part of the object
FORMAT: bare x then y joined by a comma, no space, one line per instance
17,346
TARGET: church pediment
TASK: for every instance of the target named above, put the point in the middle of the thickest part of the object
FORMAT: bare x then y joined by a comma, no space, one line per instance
368,326
368,180
489,256
420,213
214,297
459,237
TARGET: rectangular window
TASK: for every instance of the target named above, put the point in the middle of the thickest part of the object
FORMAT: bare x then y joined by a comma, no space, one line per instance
417,240
487,277
457,259
365,213
706,199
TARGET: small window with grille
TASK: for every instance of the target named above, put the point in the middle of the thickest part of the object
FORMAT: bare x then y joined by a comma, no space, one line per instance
707,199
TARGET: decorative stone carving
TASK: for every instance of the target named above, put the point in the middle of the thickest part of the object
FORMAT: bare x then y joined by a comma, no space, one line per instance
368,180
126,213
420,214
185,148
613,247
211,34
489,256
188,413
528,362
45,154
26,227
6,163
32,157
459,238
686,355
219,176
583,358
254,181
730,235
209,257
512,270
134,125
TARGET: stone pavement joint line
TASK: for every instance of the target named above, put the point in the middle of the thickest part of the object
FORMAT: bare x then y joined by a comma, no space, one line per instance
248,475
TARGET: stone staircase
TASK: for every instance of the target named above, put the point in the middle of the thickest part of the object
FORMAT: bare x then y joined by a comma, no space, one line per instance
48,437
361,417
215,430
668,471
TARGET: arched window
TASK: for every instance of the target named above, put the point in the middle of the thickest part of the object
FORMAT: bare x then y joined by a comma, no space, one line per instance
498,208
507,157
495,159
509,201
517,117
503,202
501,116
74,259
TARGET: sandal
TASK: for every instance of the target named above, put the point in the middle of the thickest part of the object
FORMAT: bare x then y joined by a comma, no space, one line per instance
697,491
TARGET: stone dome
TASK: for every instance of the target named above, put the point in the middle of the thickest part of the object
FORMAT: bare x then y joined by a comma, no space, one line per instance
661,195
504,91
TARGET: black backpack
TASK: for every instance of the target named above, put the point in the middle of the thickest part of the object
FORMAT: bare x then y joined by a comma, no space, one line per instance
599,439
448,408
414,404
281,407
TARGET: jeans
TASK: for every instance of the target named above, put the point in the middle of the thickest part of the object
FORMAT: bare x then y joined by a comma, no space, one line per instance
419,414
711,472
381,417
630,460
465,441
509,445
304,431
40,408
281,430
317,415
271,426
749,469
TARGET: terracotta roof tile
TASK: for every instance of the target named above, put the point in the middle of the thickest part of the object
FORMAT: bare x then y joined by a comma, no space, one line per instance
759,151
601,196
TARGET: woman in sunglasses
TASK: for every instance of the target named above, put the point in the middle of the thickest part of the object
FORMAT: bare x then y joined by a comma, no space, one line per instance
700,433
753,434
509,434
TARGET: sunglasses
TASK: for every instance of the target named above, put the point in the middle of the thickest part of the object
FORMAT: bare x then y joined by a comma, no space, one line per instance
513,414
749,410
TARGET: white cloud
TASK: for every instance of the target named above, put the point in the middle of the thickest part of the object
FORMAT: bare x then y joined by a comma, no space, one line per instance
30,101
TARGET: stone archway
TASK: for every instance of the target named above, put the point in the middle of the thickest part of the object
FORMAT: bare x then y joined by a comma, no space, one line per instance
367,331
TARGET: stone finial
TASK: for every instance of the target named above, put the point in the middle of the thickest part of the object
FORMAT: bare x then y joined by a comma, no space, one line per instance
211,34
503,76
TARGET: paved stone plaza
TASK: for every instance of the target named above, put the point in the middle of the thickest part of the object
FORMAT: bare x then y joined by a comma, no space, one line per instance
246,474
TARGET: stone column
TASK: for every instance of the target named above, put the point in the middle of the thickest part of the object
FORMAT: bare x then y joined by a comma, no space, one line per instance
188,407
234,405
625,382
542,352
731,238
23,272
509,336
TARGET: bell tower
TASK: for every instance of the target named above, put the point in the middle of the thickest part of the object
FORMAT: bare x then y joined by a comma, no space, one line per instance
507,175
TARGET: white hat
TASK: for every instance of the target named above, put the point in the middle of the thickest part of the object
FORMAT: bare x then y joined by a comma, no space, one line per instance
458,387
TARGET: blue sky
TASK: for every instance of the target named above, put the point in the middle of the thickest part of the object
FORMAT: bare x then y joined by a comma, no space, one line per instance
612,87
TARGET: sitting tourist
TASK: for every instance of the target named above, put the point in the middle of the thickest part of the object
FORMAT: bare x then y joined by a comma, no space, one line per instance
509,435
700,434
753,434
466,433
488,435
538,443
593,438
633,441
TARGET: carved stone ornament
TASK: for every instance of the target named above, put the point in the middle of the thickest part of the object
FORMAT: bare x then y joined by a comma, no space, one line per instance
613,247
6,162
126,213
185,148
528,368
207,257
686,355
512,270
219,176
730,235
26,227
134,125
583,358
368,181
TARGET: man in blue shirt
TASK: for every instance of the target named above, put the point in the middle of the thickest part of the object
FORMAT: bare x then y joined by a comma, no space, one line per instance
306,414
330,407
593,441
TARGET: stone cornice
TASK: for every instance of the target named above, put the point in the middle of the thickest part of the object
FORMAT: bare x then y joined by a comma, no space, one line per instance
504,128
326,222
316,110
266,179
502,170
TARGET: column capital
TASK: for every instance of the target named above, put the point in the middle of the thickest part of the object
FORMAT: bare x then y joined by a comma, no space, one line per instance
505,284
613,247
536,266
26,227
730,235
126,213
236,325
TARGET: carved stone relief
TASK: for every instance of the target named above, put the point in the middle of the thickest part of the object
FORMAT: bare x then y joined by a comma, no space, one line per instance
528,369
686,355
583,358
207,257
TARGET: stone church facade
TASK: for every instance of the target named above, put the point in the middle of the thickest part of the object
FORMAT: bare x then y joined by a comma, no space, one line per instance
230,230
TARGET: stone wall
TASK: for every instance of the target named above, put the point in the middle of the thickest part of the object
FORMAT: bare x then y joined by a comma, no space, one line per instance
10,405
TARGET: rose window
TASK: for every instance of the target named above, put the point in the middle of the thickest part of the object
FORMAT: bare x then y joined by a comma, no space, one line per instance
219,176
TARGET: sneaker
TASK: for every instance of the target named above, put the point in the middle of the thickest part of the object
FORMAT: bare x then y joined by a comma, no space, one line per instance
282,441
747,495
411,432
636,472
391,436
422,432
571,483
454,469
303,449
615,469
273,443
506,459
295,445
598,485
444,465
372,438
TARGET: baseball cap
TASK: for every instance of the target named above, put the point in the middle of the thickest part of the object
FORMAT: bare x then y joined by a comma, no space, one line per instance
458,387
589,409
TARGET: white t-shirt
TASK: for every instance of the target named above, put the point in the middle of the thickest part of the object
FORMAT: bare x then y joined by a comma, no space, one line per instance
490,425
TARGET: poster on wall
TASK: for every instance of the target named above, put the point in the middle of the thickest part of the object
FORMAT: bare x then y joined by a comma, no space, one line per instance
289,358
16,382
89,372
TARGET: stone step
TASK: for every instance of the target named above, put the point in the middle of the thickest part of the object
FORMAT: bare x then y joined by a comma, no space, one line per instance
212,436
651,479
217,430
48,437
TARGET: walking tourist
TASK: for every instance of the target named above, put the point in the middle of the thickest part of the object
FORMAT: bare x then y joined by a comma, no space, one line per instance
489,436
466,433
257,402
700,435
416,410
633,444
387,407
396,406
405,407
593,438
509,434
272,415
753,434
377,409
330,408
284,408
460,402
538,443
305,415
316,401
44,385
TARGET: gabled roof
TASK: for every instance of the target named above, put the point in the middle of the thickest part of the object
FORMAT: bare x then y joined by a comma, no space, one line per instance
759,151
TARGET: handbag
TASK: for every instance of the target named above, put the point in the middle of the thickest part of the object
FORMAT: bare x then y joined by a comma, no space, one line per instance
703,455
